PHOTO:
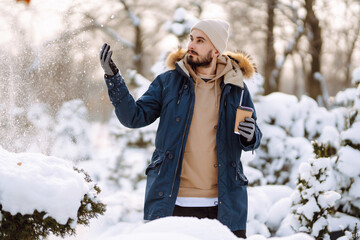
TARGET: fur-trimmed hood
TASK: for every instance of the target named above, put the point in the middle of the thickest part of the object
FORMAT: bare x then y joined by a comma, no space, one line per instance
243,66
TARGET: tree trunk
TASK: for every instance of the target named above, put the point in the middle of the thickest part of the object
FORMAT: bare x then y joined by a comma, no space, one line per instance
271,84
138,50
349,55
313,85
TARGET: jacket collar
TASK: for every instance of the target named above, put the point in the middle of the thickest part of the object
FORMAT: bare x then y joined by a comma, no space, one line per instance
242,65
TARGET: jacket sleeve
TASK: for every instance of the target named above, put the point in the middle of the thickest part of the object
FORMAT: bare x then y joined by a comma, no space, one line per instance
131,113
255,143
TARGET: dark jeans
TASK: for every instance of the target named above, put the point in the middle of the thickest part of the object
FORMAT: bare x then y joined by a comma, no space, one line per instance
203,212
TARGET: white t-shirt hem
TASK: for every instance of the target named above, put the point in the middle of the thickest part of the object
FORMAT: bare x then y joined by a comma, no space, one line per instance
196,202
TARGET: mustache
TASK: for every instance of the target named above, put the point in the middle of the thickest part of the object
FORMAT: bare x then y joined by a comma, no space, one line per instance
193,52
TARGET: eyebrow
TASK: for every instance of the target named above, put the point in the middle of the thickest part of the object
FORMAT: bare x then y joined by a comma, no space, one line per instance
198,37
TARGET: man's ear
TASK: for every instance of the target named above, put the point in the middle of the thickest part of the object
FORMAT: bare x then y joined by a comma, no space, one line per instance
217,53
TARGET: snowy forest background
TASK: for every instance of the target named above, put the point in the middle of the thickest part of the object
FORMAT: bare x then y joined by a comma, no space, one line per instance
305,177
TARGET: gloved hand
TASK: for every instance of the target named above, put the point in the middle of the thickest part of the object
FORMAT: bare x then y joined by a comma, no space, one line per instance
247,129
106,62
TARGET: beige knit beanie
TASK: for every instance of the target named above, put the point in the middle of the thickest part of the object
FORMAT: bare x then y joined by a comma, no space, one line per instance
216,30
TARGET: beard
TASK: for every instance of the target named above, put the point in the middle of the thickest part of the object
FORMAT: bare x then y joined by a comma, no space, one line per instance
201,62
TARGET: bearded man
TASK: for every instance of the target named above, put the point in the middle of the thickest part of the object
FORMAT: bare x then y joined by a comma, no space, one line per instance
196,167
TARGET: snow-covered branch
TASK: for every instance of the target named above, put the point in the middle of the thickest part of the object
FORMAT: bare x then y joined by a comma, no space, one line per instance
134,19
325,94
94,25
114,35
292,44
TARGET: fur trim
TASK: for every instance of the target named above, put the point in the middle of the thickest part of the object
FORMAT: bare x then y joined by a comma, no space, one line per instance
243,60
174,57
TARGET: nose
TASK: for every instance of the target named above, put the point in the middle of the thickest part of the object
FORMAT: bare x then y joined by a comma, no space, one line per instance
190,45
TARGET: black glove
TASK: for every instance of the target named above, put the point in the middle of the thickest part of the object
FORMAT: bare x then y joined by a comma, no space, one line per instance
106,62
247,129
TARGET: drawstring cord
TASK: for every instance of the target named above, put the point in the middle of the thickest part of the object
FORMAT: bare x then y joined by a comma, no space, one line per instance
216,99
196,82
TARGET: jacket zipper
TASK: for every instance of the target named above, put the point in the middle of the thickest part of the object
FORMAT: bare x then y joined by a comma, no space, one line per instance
181,92
181,149
220,108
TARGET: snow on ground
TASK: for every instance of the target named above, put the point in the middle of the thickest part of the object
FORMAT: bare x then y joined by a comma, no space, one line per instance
174,228
188,228
180,228
123,219
261,200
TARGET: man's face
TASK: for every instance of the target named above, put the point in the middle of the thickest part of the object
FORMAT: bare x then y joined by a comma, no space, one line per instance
201,51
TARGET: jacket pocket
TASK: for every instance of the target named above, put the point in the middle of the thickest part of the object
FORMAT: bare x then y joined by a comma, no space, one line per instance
242,178
156,162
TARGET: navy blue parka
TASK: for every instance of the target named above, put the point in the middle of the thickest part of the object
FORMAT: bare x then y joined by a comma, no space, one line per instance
171,97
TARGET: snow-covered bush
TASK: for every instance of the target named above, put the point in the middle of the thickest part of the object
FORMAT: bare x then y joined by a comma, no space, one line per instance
348,163
181,23
261,211
71,133
15,129
317,206
40,195
336,172
137,83
135,146
313,199
288,126
355,234
35,129
255,85
42,122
